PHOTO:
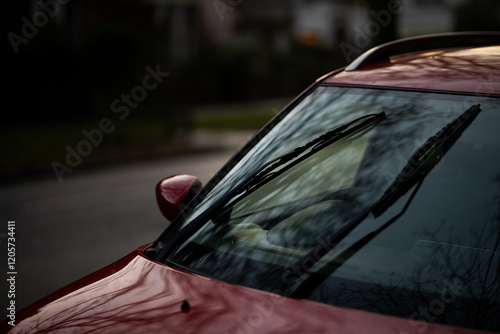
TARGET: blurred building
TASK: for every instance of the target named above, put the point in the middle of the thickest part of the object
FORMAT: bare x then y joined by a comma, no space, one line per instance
90,50
427,16
325,23
181,28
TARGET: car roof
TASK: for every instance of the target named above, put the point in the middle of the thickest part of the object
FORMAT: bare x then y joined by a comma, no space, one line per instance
470,69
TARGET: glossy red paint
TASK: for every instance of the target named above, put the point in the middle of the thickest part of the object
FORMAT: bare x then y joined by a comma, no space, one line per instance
470,70
137,295
174,192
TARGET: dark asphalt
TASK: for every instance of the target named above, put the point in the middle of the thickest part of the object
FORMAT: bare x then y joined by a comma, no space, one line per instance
67,230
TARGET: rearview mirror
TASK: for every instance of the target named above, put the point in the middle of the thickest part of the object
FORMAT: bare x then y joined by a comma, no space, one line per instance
175,192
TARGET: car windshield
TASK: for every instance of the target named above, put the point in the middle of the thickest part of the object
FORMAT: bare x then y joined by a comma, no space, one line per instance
438,259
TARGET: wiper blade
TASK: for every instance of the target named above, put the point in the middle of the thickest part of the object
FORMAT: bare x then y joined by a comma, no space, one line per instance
419,165
268,171
265,174
425,158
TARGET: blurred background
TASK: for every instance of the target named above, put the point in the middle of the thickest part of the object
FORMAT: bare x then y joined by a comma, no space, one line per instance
100,98
230,64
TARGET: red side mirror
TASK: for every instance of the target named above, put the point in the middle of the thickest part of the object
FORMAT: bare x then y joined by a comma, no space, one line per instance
175,192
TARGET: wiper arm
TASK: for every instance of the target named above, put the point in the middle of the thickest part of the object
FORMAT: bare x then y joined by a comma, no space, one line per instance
306,283
419,165
265,174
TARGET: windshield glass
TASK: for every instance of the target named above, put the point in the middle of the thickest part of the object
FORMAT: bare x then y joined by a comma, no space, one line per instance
440,252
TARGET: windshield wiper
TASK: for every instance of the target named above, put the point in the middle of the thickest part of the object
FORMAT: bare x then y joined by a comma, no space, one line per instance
266,173
305,283
270,170
425,158
419,165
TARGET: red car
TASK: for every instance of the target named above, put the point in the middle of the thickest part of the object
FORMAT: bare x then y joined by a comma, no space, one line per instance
370,204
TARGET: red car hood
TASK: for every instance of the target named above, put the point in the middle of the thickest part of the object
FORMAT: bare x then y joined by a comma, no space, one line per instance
137,295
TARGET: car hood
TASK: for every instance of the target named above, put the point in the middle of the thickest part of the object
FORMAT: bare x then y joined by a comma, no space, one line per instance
138,295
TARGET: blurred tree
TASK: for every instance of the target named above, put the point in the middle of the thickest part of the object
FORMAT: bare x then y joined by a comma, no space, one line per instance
235,63
480,15
113,61
388,32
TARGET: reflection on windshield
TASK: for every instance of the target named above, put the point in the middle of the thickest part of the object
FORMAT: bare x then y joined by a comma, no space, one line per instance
441,255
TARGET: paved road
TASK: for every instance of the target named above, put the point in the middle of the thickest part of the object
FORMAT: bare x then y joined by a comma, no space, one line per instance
67,230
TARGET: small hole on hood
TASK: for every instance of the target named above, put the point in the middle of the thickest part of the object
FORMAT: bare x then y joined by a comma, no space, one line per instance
185,306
